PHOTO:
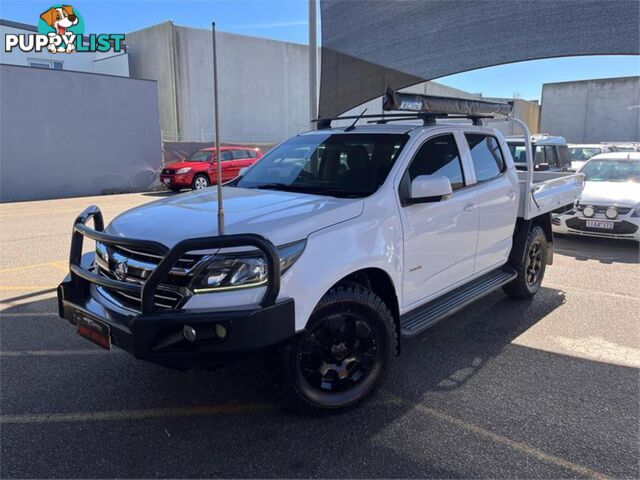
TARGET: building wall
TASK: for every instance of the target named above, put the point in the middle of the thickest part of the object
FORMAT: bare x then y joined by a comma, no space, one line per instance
263,84
99,135
592,110
77,61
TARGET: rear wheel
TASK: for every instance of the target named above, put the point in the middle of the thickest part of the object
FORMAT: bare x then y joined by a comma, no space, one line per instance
532,268
343,355
200,182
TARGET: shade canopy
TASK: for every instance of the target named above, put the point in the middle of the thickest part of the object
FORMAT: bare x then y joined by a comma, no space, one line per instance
370,45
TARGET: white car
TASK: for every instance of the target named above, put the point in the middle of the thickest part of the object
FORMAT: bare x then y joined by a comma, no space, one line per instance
337,244
610,203
580,153
550,152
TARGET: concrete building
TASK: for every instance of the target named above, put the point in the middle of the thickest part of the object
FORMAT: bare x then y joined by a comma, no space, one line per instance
592,111
263,84
101,137
109,63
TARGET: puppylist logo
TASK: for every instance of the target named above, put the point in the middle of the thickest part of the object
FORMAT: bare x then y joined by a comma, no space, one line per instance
61,30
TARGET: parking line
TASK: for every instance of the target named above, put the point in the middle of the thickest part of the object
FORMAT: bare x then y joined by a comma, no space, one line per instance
518,446
251,408
55,353
584,291
27,287
28,314
32,265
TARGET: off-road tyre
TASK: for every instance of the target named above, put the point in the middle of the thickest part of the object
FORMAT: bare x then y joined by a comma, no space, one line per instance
360,326
531,269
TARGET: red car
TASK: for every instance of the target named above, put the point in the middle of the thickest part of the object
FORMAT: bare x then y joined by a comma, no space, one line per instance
198,170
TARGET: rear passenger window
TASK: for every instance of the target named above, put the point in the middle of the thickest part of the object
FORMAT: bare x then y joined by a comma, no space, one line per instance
239,154
488,161
438,156
552,159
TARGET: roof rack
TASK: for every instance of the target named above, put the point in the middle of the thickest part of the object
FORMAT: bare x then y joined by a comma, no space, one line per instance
428,108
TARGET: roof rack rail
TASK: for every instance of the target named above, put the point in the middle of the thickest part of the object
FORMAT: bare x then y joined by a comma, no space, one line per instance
427,108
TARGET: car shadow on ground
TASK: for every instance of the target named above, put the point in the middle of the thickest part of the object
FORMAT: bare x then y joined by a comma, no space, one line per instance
604,250
163,193
463,377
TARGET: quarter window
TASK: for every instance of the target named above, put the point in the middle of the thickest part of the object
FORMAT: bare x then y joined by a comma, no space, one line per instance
486,155
438,156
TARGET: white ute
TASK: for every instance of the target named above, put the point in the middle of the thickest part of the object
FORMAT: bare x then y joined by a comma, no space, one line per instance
337,243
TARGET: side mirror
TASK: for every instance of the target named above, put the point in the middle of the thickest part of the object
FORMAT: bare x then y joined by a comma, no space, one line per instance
429,188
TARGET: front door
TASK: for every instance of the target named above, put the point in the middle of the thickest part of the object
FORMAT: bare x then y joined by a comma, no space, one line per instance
440,237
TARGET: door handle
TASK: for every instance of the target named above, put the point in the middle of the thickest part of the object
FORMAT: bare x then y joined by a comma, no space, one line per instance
470,207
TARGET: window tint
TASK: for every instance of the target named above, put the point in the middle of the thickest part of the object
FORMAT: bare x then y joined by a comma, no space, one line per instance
239,154
486,155
252,153
226,155
538,155
552,158
438,156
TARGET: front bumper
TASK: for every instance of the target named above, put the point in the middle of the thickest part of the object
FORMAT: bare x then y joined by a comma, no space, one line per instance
157,335
572,223
177,180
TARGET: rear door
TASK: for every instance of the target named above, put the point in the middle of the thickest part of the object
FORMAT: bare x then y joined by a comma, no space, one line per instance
497,198
439,237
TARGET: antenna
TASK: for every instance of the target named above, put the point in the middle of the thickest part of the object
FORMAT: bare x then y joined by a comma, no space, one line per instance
216,119
353,125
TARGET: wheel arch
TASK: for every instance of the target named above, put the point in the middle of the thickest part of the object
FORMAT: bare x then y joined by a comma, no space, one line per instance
378,281
521,233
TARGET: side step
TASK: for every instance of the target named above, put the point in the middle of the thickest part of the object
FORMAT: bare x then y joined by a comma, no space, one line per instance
416,321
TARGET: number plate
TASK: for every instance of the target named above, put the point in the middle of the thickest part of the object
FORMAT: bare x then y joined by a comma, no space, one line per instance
599,224
94,330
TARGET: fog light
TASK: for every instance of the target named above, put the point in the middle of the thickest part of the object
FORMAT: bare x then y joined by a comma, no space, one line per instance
189,333
221,332
588,211
611,213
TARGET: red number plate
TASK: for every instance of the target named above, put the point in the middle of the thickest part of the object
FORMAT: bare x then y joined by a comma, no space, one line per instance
94,330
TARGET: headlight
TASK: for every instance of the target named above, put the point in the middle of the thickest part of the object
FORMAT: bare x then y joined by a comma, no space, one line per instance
237,270
635,212
588,211
611,213
183,170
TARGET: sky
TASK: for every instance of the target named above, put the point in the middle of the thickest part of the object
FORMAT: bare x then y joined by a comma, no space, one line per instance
286,20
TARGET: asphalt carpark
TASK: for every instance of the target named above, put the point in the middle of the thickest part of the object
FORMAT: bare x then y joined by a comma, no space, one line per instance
548,388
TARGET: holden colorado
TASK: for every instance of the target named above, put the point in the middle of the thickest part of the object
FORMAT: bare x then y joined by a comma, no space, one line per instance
338,245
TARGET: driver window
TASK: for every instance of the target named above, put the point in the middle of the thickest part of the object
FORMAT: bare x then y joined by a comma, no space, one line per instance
438,156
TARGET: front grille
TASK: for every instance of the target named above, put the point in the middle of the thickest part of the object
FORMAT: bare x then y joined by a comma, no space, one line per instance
140,263
620,228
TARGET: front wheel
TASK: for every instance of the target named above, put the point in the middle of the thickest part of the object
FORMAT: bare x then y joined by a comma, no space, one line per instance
343,354
531,269
200,182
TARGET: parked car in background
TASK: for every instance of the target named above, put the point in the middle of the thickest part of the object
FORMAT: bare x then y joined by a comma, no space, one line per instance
580,153
549,153
610,202
198,170
625,147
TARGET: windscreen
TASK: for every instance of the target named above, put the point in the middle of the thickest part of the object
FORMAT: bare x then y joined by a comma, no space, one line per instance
612,171
583,153
200,156
341,165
